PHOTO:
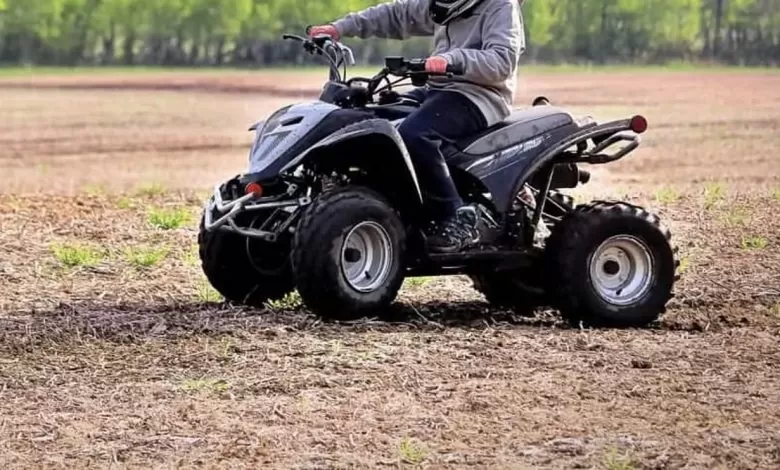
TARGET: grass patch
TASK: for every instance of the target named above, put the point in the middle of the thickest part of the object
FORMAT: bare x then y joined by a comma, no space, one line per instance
76,255
169,219
714,193
614,461
207,294
737,217
44,169
191,257
291,301
776,195
145,257
417,282
776,309
95,190
411,452
753,242
205,385
151,190
667,195
124,203
685,264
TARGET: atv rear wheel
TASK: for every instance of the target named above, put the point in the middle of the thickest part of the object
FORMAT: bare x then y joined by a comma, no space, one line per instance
611,264
245,271
347,253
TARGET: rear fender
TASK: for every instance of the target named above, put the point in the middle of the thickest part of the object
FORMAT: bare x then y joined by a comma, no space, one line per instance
371,138
606,134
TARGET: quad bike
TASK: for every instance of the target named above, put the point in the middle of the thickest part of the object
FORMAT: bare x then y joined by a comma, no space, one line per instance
331,205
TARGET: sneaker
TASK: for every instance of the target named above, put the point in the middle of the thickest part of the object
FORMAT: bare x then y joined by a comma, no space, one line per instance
455,233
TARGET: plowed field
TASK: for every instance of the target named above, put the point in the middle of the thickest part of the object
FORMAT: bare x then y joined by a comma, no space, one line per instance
115,353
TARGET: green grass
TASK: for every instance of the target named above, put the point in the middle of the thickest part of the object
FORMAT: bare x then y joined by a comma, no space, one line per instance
614,461
125,203
290,301
44,169
753,242
714,193
685,264
207,294
776,309
95,190
191,256
205,385
145,257
667,195
417,282
411,452
76,255
737,217
776,194
150,190
169,219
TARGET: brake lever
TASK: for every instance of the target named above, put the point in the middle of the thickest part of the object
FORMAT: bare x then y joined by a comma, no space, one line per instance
293,36
348,53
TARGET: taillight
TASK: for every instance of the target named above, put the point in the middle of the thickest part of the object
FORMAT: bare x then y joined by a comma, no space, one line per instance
638,124
254,188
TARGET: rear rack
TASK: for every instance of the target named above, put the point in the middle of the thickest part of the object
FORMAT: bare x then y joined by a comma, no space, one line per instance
603,137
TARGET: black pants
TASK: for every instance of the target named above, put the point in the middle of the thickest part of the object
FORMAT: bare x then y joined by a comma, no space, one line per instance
444,116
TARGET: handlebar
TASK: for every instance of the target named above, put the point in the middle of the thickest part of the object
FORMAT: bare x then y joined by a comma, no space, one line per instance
338,54
401,67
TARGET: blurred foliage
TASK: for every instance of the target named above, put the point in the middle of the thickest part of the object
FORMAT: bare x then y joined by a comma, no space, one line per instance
214,32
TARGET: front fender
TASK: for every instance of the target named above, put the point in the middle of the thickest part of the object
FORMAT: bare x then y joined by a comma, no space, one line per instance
369,127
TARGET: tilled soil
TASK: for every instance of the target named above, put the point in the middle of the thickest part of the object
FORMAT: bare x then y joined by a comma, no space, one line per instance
111,364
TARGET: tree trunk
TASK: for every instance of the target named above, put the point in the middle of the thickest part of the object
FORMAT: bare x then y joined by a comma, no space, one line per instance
108,45
718,25
128,49
219,51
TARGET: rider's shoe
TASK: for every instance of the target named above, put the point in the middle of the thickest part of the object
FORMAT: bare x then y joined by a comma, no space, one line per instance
455,233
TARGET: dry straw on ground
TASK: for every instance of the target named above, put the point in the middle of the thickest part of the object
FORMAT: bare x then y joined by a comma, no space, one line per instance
117,356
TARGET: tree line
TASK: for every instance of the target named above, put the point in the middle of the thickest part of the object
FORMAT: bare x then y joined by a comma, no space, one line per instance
244,32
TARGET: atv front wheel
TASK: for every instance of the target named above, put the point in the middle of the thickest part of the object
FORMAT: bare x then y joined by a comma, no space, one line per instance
245,271
348,253
611,264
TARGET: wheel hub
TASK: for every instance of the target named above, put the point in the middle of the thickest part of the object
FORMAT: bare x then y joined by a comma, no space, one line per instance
366,256
621,270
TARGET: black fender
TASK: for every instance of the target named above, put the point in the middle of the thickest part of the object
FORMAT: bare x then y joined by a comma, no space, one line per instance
552,154
378,137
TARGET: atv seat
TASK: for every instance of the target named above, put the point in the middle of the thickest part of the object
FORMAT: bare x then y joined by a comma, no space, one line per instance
519,126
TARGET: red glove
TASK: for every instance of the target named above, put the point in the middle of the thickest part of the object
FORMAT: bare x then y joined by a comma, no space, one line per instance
327,30
436,64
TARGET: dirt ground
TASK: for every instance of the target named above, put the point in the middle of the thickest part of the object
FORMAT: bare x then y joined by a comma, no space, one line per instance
115,353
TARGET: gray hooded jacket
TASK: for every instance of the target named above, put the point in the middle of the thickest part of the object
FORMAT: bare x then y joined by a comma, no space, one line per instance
487,44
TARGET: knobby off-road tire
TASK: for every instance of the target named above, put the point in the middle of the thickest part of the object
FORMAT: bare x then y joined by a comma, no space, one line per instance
328,271
597,245
226,262
515,290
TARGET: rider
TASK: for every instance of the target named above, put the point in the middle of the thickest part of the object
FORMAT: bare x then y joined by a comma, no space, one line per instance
485,38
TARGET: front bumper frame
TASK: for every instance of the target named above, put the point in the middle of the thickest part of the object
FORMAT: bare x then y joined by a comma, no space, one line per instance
227,211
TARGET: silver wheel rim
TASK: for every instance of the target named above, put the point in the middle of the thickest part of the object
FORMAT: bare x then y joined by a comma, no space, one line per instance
621,270
366,256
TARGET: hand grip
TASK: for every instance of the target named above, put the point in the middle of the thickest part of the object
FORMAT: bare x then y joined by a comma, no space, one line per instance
455,69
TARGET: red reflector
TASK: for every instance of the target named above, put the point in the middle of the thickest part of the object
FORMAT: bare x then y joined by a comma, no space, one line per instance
638,124
254,188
